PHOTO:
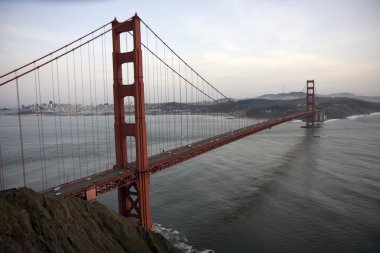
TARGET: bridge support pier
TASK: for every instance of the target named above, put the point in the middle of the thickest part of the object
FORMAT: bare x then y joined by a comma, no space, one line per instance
134,199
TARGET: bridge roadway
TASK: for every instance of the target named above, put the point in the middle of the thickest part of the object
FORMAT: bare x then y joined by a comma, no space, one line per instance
109,180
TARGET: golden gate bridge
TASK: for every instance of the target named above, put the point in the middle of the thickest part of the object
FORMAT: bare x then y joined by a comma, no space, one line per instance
163,113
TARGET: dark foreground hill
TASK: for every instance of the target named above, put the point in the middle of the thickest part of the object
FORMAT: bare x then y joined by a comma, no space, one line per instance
30,222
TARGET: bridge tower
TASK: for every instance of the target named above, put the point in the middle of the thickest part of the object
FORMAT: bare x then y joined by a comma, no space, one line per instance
310,103
134,199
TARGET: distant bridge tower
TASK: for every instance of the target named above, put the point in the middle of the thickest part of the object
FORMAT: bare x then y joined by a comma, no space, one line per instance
134,198
310,103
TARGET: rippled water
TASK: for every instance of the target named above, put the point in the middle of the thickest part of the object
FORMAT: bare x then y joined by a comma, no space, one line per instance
286,189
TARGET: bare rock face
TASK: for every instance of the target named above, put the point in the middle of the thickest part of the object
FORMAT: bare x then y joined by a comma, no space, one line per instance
30,222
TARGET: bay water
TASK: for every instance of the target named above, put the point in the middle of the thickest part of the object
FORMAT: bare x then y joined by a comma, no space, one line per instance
286,189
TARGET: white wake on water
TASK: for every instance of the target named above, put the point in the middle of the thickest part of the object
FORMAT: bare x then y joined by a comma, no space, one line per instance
177,239
354,117
330,120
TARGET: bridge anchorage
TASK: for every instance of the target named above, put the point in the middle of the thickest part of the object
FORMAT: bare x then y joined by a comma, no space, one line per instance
164,113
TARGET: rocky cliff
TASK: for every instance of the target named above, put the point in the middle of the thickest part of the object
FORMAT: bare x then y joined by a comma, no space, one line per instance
30,222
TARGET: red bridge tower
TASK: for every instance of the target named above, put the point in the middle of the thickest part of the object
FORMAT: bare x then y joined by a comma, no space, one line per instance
310,103
133,198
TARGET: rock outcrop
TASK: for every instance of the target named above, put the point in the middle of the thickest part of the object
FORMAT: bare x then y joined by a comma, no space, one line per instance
30,222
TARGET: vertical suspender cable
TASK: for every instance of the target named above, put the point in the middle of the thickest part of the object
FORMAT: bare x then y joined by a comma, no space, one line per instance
70,118
162,102
91,108
60,127
158,98
55,118
42,132
166,102
199,112
180,98
213,114
156,92
144,55
174,106
84,108
20,133
77,116
96,106
108,105
205,109
154,103
162,121
148,89
187,115
192,107
38,108
105,105
221,116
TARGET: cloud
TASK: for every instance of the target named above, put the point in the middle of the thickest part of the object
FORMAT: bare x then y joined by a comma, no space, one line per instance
241,42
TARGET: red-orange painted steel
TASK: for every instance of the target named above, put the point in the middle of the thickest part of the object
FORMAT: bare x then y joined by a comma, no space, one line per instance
310,103
91,194
143,180
128,208
128,205
119,112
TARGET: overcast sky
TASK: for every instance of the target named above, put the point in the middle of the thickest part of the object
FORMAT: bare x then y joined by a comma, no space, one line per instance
245,48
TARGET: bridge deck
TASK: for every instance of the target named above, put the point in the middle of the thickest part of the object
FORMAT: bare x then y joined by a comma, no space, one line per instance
112,179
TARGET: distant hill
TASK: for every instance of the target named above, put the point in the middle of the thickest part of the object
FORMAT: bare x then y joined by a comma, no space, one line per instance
339,107
342,107
283,96
350,95
297,95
